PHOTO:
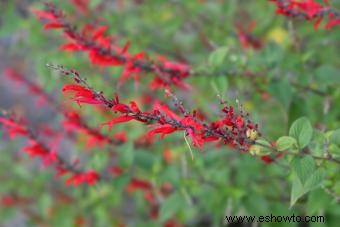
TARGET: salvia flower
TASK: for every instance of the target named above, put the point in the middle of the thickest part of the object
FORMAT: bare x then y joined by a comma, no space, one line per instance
309,10
103,51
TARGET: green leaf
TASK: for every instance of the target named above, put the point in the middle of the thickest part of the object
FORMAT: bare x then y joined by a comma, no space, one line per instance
327,74
170,206
302,131
304,167
335,137
297,191
315,179
216,58
306,177
285,142
282,91
317,200
120,181
219,85
126,155
144,159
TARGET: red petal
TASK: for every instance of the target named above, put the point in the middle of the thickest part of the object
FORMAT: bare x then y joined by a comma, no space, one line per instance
116,120
121,108
70,47
137,184
52,26
43,15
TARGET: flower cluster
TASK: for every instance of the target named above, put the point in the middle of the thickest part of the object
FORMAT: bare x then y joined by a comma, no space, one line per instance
234,128
72,121
102,50
309,10
49,156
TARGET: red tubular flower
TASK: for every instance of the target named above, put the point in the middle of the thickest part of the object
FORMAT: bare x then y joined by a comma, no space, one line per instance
115,171
137,184
246,39
89,177
13,128
117,120
162,130
35,149
120,136
308,9
103,51
271,158
81,94
332,22
81,5
234,129
44,15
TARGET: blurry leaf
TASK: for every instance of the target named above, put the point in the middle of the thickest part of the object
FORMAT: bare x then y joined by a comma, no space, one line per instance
302,131
256,204
335,137
297,191
315,179
334,150
272,54
327,74
317,200
285,142
170,206
304,167
216,58
172,175
126,155
298,108
120,181
219,84
306,178
144,159
282,91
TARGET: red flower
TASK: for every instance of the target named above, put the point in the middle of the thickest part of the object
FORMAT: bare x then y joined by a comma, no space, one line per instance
161,129
137,184
120,136
121,108
239,122
12,127
309,9
70,47
332,23
44,15
35,150
52,25
131,69
60,171
163,108
81,5
270,158
89,177
115,171
117,120
81,94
